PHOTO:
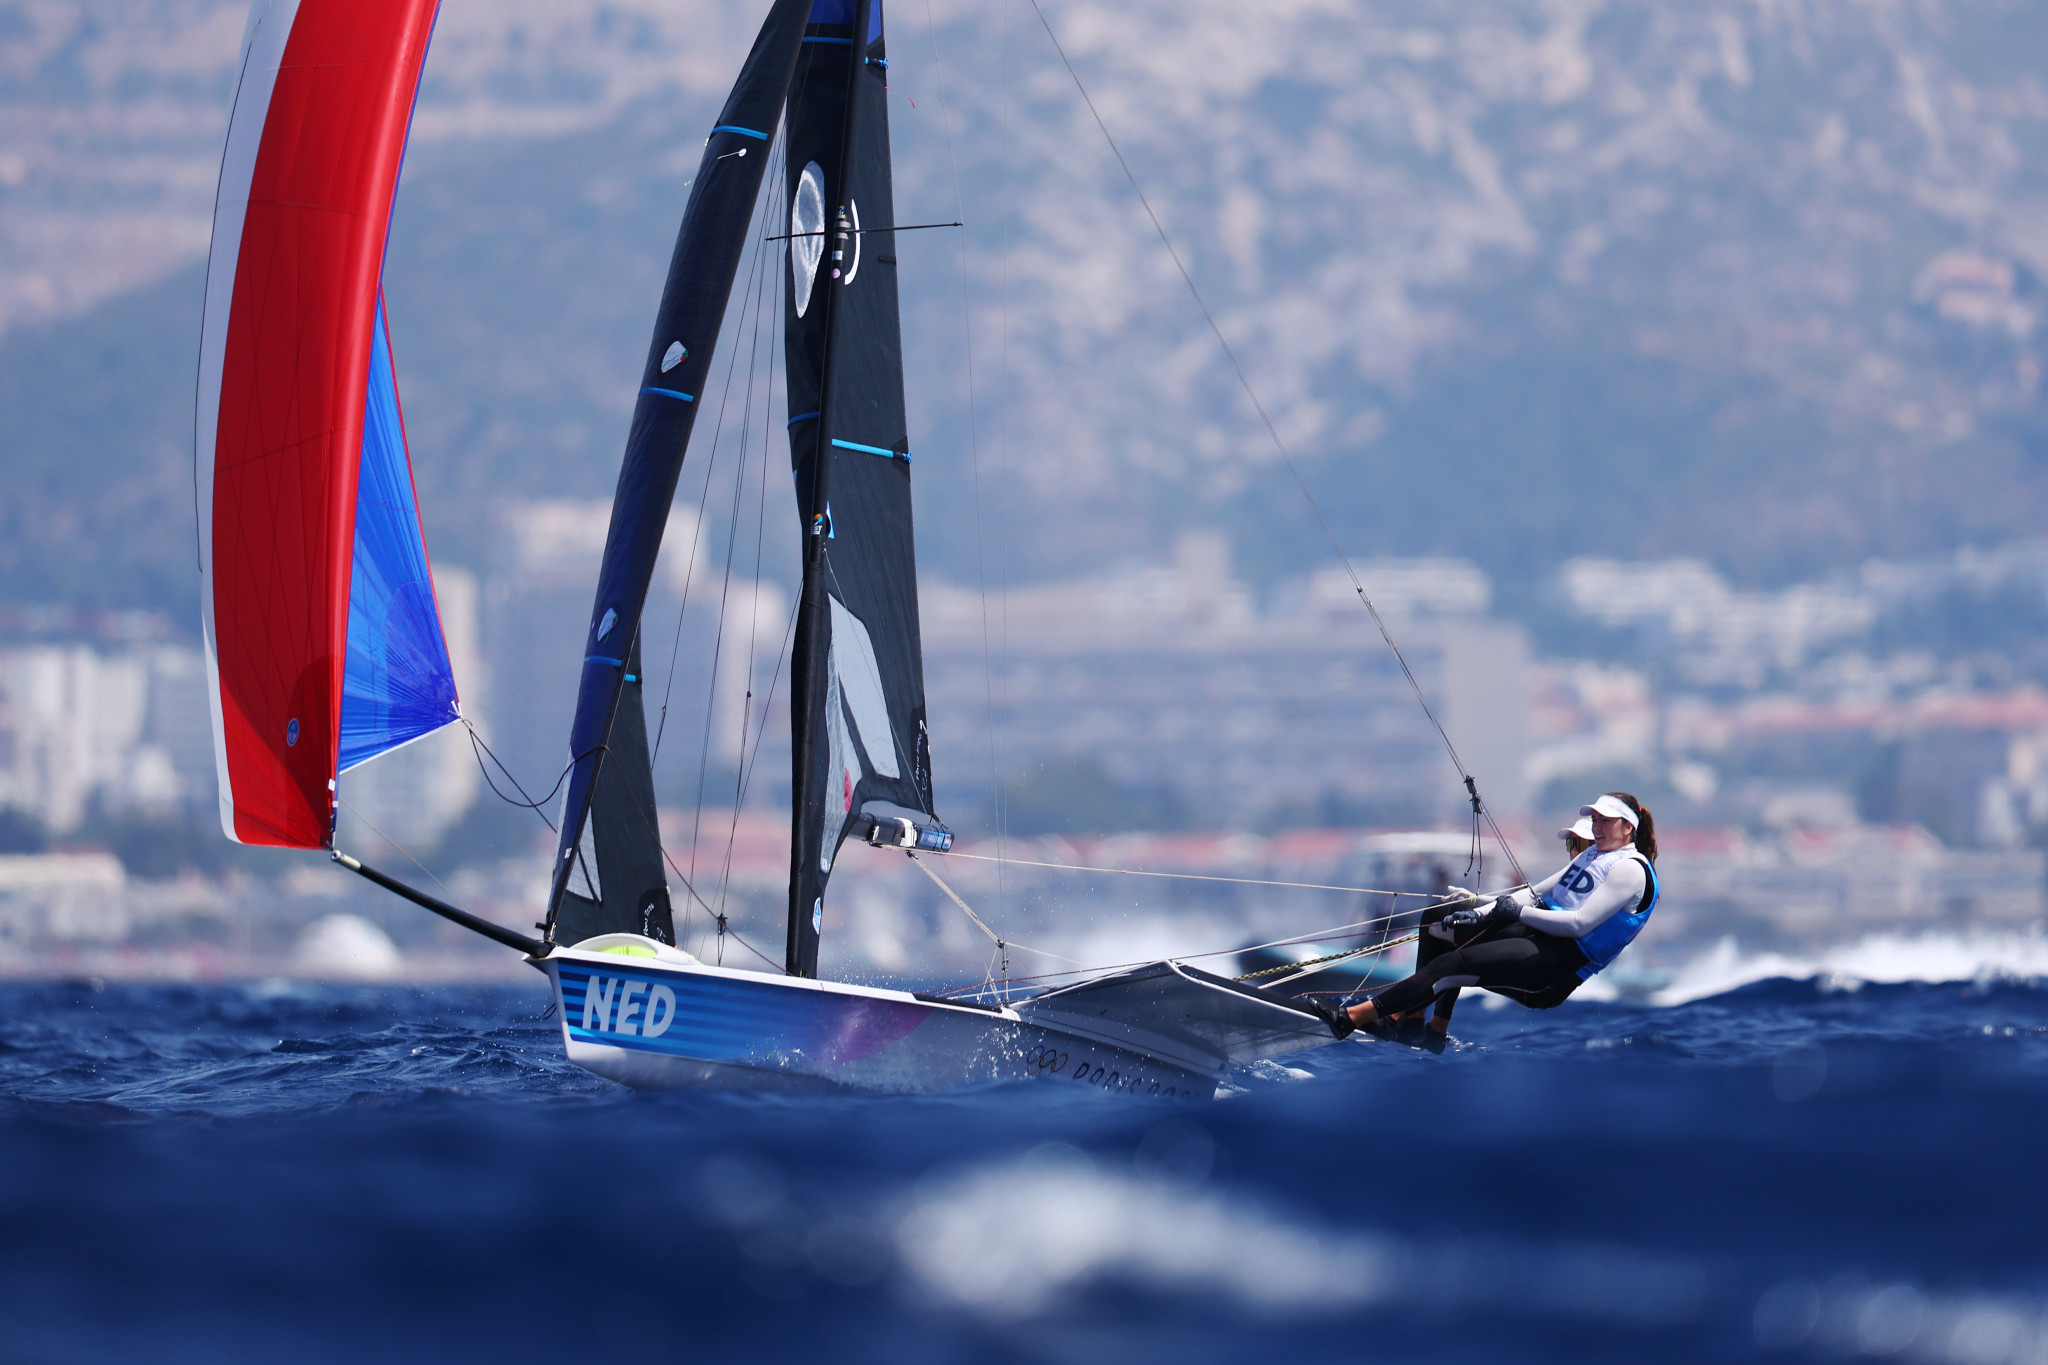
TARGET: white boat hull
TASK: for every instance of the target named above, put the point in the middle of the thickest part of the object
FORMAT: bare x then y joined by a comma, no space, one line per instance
663,1025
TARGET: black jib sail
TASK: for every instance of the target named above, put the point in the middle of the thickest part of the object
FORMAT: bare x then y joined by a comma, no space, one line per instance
862,759
609,734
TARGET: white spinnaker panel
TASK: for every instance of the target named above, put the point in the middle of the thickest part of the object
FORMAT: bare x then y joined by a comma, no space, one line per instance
263,44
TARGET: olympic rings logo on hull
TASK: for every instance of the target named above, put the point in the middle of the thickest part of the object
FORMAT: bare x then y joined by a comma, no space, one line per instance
1050,1061
1044,1061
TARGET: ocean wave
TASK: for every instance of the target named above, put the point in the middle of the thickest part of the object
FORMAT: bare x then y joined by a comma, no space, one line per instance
973,1242
1930,958
976,1241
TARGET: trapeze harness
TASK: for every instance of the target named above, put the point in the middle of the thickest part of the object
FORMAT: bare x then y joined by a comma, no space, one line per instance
1522,961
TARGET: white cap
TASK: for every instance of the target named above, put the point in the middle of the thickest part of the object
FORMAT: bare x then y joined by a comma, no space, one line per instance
1614,808
1582,828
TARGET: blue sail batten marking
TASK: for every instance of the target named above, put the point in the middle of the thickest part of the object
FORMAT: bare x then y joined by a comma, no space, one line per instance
802,417
603,659
671,393
836,42
735,128
902,455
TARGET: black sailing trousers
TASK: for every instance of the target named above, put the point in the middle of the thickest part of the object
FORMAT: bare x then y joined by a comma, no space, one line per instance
1529,967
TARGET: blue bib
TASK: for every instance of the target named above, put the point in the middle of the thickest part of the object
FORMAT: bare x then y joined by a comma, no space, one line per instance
1619,929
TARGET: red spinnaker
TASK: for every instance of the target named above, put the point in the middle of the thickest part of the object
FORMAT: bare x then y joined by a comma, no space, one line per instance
312,161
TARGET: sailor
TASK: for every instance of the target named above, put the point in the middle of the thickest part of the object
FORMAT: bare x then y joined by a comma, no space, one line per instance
1538,944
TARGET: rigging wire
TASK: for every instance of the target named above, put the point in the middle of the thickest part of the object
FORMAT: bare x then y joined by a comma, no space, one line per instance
778,171
995,770
788,635
394,843
993,937
1318,936
752,304
1479,810
739,483
654,833
999,797
1192,876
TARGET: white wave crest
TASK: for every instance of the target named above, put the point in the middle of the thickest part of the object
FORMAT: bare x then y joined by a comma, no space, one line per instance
1879,959
1006,1239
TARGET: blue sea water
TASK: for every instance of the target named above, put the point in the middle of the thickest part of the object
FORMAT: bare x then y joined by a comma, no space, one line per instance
273,1172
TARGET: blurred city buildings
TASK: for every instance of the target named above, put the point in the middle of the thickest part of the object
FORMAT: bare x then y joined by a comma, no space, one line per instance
1172,678
1844,756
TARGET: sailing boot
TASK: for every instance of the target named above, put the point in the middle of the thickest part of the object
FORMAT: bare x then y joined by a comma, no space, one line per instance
1333,1015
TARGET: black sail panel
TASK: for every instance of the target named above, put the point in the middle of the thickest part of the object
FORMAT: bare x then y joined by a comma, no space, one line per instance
617,880
609,726
861,749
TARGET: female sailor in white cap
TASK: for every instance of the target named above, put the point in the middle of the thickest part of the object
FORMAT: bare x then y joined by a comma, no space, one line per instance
1536,945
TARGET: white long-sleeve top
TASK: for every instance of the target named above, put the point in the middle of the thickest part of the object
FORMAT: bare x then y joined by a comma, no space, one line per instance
1557,904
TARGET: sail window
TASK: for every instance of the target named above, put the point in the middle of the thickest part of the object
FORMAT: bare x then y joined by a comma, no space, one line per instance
860,682
806,233
586,862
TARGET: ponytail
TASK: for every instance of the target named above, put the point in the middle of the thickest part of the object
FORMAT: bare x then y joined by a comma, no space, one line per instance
1646,827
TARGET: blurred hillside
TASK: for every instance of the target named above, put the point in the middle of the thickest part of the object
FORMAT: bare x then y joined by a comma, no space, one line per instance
1753,284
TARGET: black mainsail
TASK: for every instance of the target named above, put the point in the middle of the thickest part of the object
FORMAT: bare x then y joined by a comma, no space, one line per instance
608,865
862,758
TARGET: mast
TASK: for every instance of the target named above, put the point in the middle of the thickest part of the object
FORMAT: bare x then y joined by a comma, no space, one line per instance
608,865
862,759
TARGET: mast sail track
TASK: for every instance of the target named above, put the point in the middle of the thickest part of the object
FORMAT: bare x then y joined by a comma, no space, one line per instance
693,302
323,642
862,757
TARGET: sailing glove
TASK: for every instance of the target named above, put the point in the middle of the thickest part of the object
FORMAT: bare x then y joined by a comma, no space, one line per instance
1459,919
1506,910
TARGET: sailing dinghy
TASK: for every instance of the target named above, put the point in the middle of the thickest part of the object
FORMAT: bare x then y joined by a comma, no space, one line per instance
325,649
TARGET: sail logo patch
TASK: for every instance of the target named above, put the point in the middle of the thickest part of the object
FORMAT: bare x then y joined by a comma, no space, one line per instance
625,1006
806,233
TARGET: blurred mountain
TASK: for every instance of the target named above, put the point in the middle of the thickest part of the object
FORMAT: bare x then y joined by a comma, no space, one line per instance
1753,282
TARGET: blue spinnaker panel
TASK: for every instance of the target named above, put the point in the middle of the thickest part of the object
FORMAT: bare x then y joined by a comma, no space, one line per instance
398,684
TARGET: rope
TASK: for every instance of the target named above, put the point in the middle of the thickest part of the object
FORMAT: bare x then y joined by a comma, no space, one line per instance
1326,957
1192,876
1308,968
476,742
1244,381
